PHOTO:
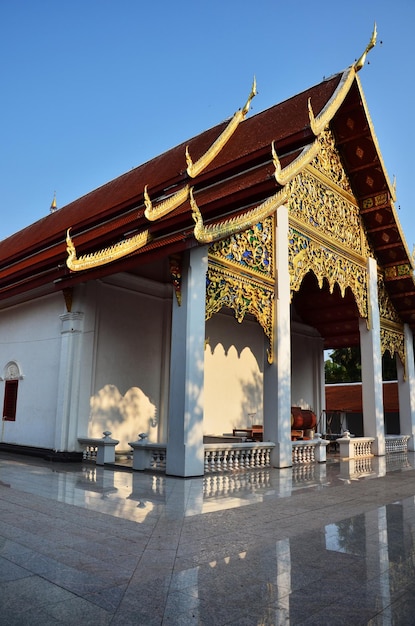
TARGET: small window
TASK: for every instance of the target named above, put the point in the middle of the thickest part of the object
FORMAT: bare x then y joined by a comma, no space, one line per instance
10,400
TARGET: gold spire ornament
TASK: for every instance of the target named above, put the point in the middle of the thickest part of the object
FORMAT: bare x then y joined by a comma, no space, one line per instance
53,207
193,169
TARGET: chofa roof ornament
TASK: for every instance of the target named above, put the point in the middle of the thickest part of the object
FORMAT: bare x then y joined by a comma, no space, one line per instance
372,43
193,169
320,121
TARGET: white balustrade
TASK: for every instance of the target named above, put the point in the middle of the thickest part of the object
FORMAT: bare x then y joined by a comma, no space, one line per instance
352,447
90,453
229,457
309,451
396,443
221,457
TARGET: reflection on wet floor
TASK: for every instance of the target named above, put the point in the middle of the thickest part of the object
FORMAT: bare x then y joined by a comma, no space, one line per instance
134,495
324,546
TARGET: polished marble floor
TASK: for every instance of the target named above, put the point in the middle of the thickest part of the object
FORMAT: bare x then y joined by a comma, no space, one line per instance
323,544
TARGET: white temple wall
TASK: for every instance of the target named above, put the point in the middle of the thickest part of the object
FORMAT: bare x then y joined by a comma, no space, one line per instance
30,335
233,374
131,353
307,363
234,378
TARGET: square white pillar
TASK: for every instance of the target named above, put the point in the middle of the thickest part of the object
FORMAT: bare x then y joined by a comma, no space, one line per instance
185,450
277,375
406,389
69,382
371,355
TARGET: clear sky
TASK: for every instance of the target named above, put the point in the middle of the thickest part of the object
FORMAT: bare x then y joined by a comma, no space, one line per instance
93,88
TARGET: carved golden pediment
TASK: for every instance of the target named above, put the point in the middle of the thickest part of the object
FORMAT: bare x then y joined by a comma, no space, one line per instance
387,310
241,276
305,255
327,161
327,212
250,251
242,294
393,341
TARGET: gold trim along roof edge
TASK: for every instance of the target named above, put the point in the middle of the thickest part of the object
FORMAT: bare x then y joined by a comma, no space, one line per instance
193,169
391,187
214,232
320,121
283,176
106,255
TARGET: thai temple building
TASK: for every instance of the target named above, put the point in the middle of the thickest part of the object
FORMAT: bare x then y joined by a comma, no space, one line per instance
193,297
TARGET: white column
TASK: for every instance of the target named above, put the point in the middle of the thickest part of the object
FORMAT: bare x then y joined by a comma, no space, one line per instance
406,389
68,383
277,375
372,389
320,385
185,451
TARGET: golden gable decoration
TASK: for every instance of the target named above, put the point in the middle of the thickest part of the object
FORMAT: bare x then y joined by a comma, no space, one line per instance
241,276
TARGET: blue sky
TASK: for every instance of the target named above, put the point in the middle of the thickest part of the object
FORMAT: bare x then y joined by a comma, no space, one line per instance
92,88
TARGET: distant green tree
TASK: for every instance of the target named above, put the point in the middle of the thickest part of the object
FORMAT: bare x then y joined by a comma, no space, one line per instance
344,366
389,367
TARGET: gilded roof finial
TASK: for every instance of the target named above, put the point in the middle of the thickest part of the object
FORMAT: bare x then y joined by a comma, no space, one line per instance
193,169
53,206
250,98
372,43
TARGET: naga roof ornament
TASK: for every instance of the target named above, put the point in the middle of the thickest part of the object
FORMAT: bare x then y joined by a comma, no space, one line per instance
153,213
106,255
166,206
193,169
283,176
320,121
213,232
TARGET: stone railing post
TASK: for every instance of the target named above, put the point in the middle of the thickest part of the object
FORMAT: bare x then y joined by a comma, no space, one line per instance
320,453
105,447
141,454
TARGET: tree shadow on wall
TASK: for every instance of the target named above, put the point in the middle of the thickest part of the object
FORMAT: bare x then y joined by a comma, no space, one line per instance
124,416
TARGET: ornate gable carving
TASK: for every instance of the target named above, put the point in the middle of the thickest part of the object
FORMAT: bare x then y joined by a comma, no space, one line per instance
250,251
328,161
391,328
326,231
241,276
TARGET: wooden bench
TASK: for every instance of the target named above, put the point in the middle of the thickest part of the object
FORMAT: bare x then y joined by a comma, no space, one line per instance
256,432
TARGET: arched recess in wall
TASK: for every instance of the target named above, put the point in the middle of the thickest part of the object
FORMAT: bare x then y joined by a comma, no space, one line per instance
12,374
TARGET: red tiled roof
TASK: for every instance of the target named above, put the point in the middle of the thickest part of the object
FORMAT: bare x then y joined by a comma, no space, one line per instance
279,123
240,176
